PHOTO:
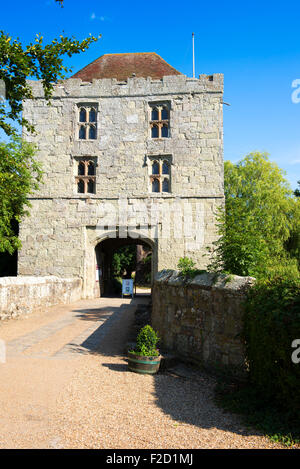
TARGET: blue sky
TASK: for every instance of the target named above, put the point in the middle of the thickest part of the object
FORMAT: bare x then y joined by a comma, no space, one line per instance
255,44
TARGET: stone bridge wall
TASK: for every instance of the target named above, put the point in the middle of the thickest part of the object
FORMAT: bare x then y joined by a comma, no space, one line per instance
22,295
201,320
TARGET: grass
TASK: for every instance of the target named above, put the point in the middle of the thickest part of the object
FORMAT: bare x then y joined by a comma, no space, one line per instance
279,426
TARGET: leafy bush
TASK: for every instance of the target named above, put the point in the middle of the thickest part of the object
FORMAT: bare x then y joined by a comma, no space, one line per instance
270,399
146,342
259,222
279,425
186,267
272,322
124,259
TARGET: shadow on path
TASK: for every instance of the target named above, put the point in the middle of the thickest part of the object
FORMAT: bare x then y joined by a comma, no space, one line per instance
186,394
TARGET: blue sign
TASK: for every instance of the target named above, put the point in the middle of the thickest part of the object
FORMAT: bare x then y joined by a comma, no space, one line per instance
127,287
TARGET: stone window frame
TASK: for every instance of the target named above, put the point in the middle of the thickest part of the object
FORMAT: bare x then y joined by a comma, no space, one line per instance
85,178
87,124
160,176
160,123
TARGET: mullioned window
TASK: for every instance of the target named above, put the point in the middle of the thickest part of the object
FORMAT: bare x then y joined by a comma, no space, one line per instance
85,178
87,122
159,120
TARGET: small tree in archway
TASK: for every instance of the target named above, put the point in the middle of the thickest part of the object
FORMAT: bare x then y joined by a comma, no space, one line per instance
124,261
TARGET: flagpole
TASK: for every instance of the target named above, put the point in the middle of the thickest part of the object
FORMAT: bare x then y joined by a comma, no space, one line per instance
193,35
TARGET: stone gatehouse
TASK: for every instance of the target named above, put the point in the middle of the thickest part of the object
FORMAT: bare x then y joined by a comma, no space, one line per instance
132,152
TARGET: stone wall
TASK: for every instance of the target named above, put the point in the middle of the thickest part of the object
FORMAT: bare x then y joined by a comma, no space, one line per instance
201,320
60,236
22,295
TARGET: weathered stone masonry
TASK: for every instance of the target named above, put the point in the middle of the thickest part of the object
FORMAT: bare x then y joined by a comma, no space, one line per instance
201,320
60,236
22,295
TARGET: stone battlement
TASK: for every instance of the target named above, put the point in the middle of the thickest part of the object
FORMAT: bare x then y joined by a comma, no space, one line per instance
173,84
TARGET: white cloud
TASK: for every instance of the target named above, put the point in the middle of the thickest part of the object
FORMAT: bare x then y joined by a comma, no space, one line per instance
95,17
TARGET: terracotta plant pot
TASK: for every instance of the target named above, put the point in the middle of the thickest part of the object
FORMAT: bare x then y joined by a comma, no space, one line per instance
144,365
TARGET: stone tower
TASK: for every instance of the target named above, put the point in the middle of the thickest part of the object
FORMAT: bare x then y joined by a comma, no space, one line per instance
132,153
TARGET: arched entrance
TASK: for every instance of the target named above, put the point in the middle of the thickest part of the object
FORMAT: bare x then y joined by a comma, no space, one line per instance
105,248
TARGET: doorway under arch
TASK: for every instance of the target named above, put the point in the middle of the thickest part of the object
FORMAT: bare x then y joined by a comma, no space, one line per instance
105,249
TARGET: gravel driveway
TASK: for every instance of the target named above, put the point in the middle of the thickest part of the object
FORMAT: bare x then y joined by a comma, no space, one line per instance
65,384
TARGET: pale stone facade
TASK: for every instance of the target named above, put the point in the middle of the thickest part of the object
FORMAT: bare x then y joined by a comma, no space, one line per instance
63,234
201,319
23,295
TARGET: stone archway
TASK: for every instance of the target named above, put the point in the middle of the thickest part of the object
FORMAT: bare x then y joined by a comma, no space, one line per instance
104,252
99,258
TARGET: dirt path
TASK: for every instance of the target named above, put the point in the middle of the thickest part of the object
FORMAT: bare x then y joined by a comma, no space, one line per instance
65,384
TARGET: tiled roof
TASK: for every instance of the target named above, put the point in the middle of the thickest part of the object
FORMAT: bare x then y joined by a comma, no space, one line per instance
122,66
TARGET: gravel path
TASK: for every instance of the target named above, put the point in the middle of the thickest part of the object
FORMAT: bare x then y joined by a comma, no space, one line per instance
65,384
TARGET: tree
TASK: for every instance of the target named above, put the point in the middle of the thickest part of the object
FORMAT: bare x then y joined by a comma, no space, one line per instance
35,60
259,217
124,259
297,190
20,175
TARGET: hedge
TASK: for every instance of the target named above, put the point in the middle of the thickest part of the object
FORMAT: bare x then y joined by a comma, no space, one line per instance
272,323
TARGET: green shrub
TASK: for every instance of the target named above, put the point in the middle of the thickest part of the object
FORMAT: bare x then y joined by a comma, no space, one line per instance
272,322
186,267
146,342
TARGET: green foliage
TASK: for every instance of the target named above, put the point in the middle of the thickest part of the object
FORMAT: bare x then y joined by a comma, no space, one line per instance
19,63
146,342
259,236
124,259
292,244
260,214
186,267
279,425
270,399
20,176
272,322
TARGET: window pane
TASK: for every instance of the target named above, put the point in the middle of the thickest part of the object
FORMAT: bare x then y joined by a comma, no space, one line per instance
155,168
82,133
155,185
91,169
154,131
90,187
92,133
92,116
165,167
80,187
81,169
165,185
165,114
154,114
165,131
82,115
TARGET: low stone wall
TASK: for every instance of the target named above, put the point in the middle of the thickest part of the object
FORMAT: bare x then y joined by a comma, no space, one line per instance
22,295
201,320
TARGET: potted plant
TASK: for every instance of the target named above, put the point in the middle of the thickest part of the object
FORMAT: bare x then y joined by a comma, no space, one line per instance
145,358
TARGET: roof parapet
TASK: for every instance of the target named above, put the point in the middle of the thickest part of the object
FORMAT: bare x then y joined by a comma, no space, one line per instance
133,86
